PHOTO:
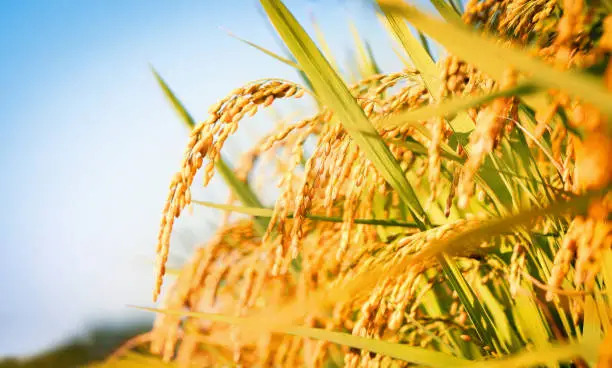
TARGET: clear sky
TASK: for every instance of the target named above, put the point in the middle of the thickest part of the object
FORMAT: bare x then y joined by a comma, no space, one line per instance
89,143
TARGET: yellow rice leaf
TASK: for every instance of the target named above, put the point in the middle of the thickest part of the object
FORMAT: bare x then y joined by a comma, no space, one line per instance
367,65
323,45
531,322
424,64
447,11
451,106
417,355
494,59
591,328
404,352
541,356
419,56
268,212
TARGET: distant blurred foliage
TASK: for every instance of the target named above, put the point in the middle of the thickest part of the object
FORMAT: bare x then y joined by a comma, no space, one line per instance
99,343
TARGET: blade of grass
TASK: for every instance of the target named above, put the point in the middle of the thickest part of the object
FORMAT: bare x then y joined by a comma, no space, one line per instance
323,45
530,321
425,65
451,106
591,329
370,53
267,213
420,356
240,189
478,315
447,10
607,275
498,315
425,44
291,63
186,118
419,56
557,353
401,56
332,91
365,58
282,45
604,312
420,149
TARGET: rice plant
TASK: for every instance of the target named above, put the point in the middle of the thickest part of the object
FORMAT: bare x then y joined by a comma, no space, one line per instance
454,213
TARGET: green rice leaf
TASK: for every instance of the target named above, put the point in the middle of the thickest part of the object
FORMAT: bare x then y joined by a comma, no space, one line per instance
478,315
531,322
365,58
280,42
498,316
332,91
267,212
424,64
267,52
242,191
419,56
323,45
447,11
425,44
176,103
591,329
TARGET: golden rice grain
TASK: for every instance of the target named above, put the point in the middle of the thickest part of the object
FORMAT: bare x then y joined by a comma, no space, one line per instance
238,272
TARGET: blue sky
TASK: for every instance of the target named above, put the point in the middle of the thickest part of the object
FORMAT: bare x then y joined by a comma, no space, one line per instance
89,143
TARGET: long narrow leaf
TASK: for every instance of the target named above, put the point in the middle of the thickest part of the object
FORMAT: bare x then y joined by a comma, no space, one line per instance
494,59
365,58
282,45
425,65
291,63
267,212
419,56
480,318
399,351
416,355
446,10
556,353
451,106
323,45
498,226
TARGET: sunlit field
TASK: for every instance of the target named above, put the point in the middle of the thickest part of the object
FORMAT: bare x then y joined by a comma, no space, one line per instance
454,213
